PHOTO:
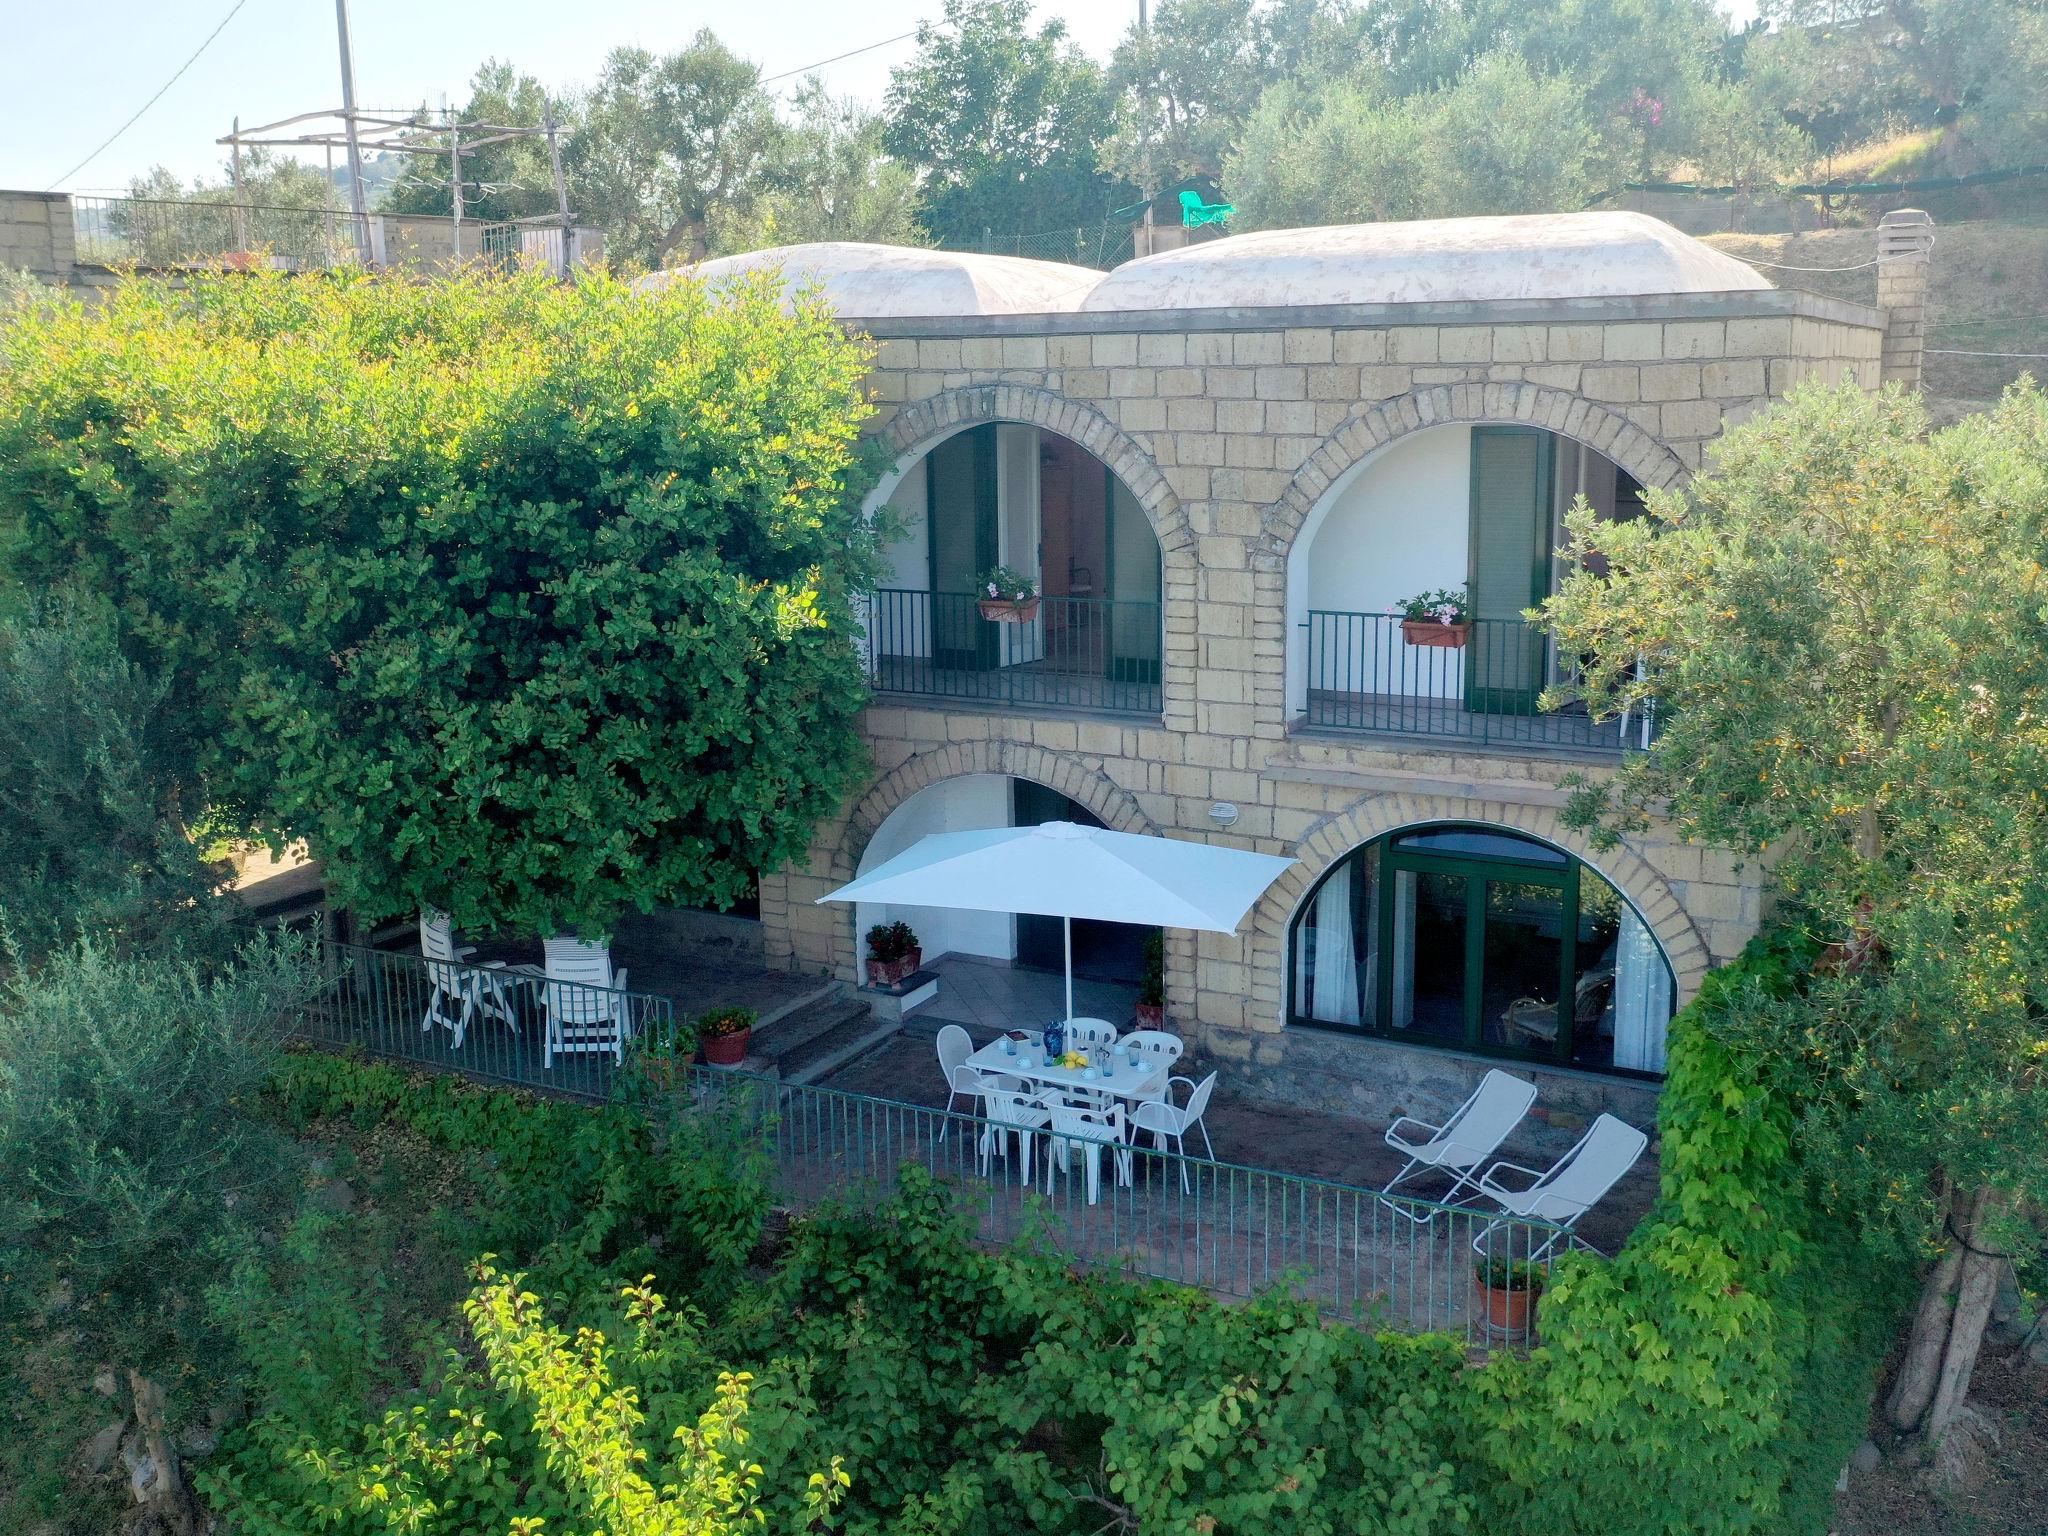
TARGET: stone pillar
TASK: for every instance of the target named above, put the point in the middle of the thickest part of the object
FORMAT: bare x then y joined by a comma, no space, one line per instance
1905,241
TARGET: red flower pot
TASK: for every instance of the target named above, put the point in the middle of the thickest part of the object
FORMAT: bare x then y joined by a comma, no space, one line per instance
1508,1311
1002,610
1428,632
891,973
726,1050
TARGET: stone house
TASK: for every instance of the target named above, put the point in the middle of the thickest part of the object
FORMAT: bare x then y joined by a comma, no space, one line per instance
1225,467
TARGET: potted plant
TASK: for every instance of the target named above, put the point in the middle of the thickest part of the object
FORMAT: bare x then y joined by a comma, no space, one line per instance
1508,1289
1007,596
893,953
1152,989
1440,618
724,1033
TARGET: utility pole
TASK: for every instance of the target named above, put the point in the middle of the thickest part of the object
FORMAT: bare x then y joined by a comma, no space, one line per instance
454,174
1151,192
561,191
355,149
241,199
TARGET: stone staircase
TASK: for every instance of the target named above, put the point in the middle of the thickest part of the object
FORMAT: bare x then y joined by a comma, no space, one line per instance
816,1036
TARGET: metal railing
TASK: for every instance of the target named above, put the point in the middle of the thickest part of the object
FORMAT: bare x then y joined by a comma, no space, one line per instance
1364,675
162,233
1227,1228
1090,653
510,245
491,1023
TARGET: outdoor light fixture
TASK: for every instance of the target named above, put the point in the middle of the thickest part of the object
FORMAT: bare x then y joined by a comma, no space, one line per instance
1223,813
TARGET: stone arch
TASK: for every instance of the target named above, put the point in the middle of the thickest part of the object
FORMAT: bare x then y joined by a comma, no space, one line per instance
1336,835
918,426
1066,772
1365,432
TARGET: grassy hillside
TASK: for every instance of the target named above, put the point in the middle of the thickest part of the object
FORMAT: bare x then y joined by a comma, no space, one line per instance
1989,294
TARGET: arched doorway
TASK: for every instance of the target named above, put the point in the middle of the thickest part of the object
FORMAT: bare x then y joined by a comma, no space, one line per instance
1013,495
1470,937
1473,512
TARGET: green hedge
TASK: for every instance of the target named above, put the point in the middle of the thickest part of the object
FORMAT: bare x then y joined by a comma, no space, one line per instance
1711,1378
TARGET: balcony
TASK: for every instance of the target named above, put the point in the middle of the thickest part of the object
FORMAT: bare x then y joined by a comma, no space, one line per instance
1364,676
1091,654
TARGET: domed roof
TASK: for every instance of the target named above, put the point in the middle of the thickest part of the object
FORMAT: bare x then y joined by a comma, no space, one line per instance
876,282
1527,256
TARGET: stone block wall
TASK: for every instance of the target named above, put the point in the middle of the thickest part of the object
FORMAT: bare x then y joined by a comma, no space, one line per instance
1228,428
35,233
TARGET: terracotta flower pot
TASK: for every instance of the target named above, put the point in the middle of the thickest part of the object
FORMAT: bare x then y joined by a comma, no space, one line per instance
890,973
1151,1015
726,1050
1508,1311
1003,610
1428,632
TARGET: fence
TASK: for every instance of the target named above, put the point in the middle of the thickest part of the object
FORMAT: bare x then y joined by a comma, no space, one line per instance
1226,1228
155,233
1098,245
494,1024
513,245
1364,674
1075,653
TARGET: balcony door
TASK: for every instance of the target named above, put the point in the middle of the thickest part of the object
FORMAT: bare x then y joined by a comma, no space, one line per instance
1513,472
1136,582
960,510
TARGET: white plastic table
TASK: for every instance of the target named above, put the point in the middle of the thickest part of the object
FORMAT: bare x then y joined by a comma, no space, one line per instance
1147,1080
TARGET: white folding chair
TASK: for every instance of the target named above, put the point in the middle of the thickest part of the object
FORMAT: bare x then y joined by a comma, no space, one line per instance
1011,1111
1090,1130
1169,1123
1089,1034
1574,1184
458,985
1462,1143
585,1001
1154,1048
955,1045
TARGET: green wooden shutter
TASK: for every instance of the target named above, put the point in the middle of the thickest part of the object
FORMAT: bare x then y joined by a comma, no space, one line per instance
1511,474
960,511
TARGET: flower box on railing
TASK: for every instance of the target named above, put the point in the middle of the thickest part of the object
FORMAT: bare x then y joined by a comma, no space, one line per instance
1001,610
1428,632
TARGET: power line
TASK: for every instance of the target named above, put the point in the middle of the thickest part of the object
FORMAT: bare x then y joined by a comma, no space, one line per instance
233,11
849,54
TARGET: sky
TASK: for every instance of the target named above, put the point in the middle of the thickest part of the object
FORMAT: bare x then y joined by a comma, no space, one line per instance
70,74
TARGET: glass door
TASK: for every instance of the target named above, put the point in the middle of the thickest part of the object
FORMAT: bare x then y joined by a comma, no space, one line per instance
960,511
1512,476
1136,582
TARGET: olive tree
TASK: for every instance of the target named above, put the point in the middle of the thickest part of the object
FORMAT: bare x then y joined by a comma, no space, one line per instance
525,600
1844,627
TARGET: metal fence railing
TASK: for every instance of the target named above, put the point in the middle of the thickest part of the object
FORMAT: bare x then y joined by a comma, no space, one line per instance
1076,653
1365,675
495,1024
160,233
1101,246
1227,1228
510,245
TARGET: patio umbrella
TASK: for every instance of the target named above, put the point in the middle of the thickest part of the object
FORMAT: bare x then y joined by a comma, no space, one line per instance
1059,869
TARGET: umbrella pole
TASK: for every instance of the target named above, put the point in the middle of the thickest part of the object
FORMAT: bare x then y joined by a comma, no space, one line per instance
1067,926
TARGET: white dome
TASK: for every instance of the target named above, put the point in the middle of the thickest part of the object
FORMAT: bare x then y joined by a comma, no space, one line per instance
1527,256
877,282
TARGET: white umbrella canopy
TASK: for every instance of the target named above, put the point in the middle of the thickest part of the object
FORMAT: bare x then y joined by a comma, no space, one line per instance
1061,869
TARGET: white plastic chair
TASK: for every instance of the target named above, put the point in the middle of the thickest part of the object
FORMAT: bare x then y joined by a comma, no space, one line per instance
1462,1143
1574,1184
955,1045
1169,1124
1010,1110
1154,1048
585,1001
1090,1130
1089,1034
458,985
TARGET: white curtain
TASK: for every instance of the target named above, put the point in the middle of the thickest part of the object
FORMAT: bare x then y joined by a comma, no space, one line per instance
1333,972
1642,997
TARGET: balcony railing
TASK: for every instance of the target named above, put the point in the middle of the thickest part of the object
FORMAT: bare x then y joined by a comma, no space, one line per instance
1227,1228
162,233
1085,653
1363,675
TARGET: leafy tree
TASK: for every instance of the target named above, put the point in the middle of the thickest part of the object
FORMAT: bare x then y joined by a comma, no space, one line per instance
1505,140
269,180
509,180
1339,155
1004,122
835,182
1843,625
98,788
126,1159
667,145
1741,139
524,600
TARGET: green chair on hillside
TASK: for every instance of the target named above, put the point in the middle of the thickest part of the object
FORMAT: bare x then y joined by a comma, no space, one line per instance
1194,212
